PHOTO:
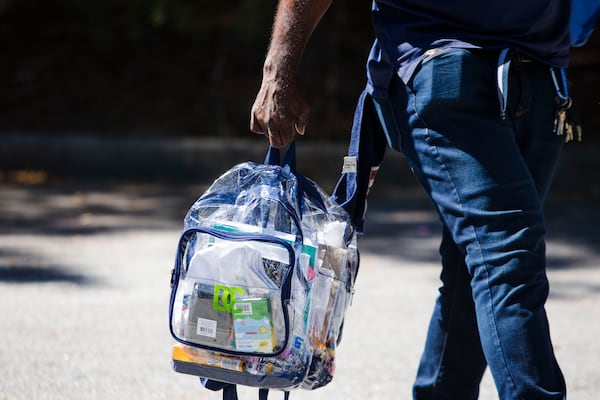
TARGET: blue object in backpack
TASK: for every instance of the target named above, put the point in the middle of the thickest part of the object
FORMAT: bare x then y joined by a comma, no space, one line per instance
584,14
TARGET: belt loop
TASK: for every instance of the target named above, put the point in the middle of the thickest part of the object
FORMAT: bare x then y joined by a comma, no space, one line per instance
502,79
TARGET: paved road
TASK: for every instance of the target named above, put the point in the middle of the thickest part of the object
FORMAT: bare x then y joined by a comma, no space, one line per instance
84,284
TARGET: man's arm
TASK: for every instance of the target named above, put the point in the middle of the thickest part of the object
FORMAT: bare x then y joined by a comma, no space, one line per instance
280,109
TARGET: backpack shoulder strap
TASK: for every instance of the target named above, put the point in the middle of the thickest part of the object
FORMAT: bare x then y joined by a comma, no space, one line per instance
263,394
229,389
230,392
365,154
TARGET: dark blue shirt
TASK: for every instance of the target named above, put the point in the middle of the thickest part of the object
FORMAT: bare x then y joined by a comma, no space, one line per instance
405,29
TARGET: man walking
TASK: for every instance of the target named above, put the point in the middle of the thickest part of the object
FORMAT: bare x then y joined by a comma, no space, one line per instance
472,94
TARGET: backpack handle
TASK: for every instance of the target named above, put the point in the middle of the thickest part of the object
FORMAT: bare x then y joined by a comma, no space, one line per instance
273,157
306,188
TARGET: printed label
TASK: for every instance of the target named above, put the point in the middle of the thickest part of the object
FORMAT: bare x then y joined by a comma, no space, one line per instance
244,308
223,362
234,365
206,327
350,165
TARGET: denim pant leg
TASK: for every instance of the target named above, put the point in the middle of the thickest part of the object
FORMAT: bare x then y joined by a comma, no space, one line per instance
486,178
452,363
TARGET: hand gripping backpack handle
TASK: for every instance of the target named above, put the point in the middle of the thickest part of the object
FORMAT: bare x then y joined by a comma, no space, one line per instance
273,157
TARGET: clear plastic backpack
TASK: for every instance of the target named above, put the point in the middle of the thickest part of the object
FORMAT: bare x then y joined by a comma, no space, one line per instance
263,276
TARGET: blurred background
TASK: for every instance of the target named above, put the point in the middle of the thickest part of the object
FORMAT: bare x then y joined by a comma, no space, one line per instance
164,67
129,72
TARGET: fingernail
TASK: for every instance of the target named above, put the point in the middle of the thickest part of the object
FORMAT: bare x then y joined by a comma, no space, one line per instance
301,129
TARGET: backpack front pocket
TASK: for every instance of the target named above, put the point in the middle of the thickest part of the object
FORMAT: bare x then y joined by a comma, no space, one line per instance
231,292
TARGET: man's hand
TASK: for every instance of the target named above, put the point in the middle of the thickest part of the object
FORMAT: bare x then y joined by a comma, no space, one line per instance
280,110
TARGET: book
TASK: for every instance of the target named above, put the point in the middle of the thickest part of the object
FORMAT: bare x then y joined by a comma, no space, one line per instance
253,325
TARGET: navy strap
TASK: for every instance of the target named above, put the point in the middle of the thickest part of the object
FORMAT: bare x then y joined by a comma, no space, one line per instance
229,389
273,157
230,392
213,385
263,394
365,154
306,186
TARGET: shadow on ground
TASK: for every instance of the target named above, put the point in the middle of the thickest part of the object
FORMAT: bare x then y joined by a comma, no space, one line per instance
24,268
409,228
69,209
403,226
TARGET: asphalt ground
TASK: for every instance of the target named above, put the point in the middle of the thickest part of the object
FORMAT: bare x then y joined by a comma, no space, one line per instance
84,286
88,231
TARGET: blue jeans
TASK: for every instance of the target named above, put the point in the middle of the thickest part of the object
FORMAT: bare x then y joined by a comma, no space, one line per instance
488,178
